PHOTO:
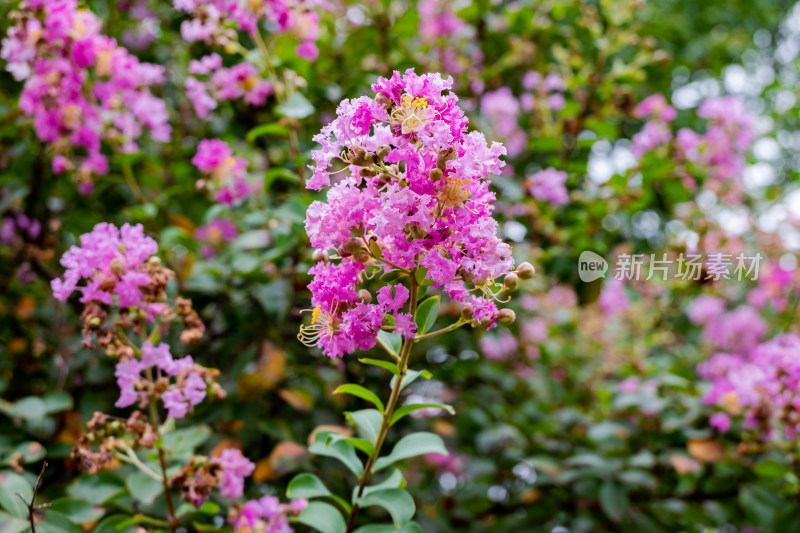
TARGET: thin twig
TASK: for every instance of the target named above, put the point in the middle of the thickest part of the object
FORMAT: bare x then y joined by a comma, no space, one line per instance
31,507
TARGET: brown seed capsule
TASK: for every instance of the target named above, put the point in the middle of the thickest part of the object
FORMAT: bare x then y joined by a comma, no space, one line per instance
525,270
436,174
506,317
357,156
467,312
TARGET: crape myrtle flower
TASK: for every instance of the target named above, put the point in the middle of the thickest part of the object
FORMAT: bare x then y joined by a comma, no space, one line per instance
81,87
265,514
220,84
122,287
760,385
723,147
224,175
411,194
549,185
202,474
216,21
656,131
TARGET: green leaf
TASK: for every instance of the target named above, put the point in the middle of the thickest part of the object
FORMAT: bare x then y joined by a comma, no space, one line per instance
397,502
369,420
209,508
391,367
12,524
24,453
273,128
280,173
77,510
98,488
391,342
55,522
362,444
296,106
306,486
339,450
395,480
427,313
309,486
613,500
361,392
411,446
10,484
408,409
30,408
411,527
323,517
113,524
411,377
57,402
144,488
182,442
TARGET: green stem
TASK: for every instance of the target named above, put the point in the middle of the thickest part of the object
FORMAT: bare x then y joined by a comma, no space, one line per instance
451,327
405,355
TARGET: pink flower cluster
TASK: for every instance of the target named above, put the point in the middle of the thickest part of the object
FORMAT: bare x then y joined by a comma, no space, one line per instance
224,175
81,87
775,287
723,147
111,261
414,195
549,90
235,467
188,390
267,514
549,185
212,19
437,20
501,109
739,329
761,384
498,347
214,234
239,81
656,131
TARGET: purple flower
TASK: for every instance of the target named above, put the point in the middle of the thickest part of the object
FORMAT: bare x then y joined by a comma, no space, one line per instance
235,467
549,185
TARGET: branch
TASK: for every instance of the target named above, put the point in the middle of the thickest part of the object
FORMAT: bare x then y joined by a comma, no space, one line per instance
31,507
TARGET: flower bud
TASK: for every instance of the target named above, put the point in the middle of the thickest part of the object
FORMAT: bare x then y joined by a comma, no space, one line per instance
117,266
353,245
525,270
154,261
467,312
511,282
436,174
383,99
370,158
362,256
383,150
367,172
319,255
506,317
357,156
444,157
95,322
364,296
